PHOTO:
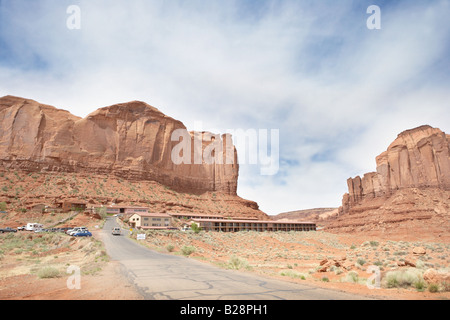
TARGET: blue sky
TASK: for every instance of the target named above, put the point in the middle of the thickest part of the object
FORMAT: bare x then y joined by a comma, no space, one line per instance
338,92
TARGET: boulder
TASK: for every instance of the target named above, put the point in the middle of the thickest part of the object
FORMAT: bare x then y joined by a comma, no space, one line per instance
419,251
435,276
410,264
326,264
348,265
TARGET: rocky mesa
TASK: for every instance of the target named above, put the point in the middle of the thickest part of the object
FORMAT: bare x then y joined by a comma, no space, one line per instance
129,140
410,190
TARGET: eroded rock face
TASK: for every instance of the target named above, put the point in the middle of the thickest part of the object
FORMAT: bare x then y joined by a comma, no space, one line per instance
130,140
418,158
409,194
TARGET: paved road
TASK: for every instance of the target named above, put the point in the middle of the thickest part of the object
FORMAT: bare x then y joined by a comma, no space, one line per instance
159,276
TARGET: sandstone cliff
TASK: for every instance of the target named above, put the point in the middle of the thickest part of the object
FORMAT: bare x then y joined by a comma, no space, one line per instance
418,158
410,190
130,140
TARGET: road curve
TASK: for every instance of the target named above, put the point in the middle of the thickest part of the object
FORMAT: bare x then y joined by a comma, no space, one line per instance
159,276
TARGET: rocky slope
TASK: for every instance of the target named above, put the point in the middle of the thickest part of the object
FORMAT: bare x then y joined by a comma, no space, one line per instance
313,215
409,192
48,155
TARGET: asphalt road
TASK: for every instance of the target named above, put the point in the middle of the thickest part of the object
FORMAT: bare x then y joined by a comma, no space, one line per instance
159,276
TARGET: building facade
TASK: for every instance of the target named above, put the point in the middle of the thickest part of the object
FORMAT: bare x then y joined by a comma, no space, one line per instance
125,209
150,221
253,225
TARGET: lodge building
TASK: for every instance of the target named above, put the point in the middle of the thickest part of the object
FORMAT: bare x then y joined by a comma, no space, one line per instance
225,225
150,221
140,218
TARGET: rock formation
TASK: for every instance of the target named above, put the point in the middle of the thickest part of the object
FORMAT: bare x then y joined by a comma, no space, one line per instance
418,158
313,215
411,184
130,140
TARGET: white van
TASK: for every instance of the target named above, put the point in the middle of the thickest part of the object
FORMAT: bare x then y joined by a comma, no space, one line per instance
116,231
34,226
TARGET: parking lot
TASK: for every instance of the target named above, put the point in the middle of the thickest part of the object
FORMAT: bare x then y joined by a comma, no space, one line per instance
31,227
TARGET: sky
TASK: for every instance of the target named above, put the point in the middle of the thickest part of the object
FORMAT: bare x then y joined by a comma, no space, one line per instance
336,91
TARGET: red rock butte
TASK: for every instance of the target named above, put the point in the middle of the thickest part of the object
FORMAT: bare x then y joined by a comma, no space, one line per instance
418,158
407,196
129,140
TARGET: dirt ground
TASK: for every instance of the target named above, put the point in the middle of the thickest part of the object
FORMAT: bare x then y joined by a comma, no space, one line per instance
290,256
109,284
297,257
24,257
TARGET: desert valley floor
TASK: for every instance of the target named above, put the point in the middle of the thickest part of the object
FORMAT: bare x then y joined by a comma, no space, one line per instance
318,258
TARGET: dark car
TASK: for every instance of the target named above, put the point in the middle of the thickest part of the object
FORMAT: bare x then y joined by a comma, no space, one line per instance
82,233
8,229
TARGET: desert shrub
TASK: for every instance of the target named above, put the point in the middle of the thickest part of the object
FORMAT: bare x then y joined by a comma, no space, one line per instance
433,287
195,227
170,247
361,261
237,263
325,279
292,274
420,264
352,276
403,278
378,264
187,250
48,272
420,285
337,271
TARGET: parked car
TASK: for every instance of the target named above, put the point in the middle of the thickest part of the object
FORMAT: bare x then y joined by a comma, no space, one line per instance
82,233
42,230
76,229
7,229
22,228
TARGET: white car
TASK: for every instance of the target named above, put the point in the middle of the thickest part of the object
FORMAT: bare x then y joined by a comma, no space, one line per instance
116,231
71,232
